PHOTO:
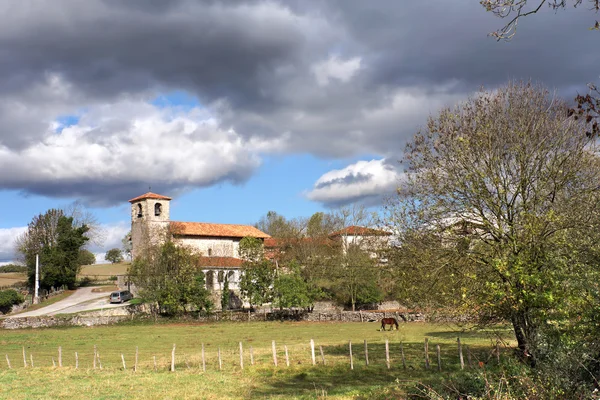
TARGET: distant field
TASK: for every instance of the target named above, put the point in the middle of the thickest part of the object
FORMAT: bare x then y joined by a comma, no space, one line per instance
301,379
10,278
104,270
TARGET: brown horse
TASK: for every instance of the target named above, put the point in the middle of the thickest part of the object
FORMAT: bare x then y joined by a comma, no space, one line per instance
388,321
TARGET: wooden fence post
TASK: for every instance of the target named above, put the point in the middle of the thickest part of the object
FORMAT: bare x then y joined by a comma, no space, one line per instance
387,353
287,359
53,362
312,351
8,362
322,355
274,353
123,359
60,356
203,359
136,359
366,353
154,359
351,360
439,357
99,360
460,354
251,356
241,356
426,353
173,359
402,354
219,356
24,358
31,359
95,355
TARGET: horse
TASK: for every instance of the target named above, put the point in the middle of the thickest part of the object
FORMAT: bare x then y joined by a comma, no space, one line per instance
388,321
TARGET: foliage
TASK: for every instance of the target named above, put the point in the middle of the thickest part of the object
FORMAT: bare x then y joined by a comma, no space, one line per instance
126,245
8,298
292,290
58,242
114,256
500,215
225,294
13,268
277,226
257,281
250,249
168,276
86,257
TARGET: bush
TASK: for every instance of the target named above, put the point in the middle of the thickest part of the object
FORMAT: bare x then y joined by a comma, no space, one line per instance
8,298
113,278
13,268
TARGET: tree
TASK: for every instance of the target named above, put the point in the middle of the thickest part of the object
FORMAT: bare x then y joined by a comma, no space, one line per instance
169,279
292,290
126,245
114,256
8,298
277,226
86,257
503,198
225,295
257,281
58,242
517,9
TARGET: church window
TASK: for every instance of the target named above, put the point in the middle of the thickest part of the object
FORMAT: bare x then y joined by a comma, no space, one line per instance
139,213
220,276
157,209
209,252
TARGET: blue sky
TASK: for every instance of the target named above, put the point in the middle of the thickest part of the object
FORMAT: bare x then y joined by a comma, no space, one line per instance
238,108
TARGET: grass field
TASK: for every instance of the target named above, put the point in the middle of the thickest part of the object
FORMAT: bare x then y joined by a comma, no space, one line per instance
104,271
263,379
10,278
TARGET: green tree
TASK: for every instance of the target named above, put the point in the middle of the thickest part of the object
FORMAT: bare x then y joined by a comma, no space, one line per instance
250,249
169,279
278,226
502,201
86,257
257,281
8,298
292,290
225,294
126,245
114,256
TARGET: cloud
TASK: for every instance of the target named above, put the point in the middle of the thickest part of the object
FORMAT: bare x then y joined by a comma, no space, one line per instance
364,181
335,68
7,243
335,79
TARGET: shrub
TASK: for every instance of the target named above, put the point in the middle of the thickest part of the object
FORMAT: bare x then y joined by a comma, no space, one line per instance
8,298
13,268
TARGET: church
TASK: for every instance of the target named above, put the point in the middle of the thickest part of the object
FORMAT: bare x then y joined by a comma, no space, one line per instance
217,243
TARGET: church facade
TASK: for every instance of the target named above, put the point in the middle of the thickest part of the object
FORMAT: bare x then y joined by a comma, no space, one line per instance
218,244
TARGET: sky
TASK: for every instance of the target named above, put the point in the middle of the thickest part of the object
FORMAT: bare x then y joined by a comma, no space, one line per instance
240,107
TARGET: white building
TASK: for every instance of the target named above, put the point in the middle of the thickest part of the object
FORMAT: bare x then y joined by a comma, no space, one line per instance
217,243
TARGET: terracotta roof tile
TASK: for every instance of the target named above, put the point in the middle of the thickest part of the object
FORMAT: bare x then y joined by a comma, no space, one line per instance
359,231
220,262
150,195
216,230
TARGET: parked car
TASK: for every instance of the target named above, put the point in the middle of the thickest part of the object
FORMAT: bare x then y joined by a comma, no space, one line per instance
120,296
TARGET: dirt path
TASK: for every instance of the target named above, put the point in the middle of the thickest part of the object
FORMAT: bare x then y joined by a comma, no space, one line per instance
82,300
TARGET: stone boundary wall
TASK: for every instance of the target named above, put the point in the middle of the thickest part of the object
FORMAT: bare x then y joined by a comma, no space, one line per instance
114,315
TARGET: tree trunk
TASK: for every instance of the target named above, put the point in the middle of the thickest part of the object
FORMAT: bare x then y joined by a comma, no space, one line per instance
523,333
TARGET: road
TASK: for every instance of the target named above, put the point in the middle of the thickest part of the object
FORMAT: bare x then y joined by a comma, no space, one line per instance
84,299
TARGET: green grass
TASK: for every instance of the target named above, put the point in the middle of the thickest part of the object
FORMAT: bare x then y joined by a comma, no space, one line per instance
300,380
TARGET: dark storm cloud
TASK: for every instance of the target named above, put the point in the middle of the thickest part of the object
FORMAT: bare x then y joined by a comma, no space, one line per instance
335,79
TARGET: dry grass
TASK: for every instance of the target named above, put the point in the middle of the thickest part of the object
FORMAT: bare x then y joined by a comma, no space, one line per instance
10,278
104,271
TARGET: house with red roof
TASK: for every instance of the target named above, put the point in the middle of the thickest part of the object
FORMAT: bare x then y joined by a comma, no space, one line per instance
217,243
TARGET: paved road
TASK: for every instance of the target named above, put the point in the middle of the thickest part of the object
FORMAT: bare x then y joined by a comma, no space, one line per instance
82,300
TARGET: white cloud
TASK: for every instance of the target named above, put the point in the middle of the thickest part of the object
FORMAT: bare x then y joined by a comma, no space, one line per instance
362,180
7,243
334,67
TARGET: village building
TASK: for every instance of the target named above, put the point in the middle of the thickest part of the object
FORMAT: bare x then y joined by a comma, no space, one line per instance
218,244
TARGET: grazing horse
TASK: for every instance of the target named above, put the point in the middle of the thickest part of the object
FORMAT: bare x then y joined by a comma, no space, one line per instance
388,321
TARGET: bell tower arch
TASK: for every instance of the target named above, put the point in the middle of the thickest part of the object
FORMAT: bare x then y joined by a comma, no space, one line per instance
149,216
